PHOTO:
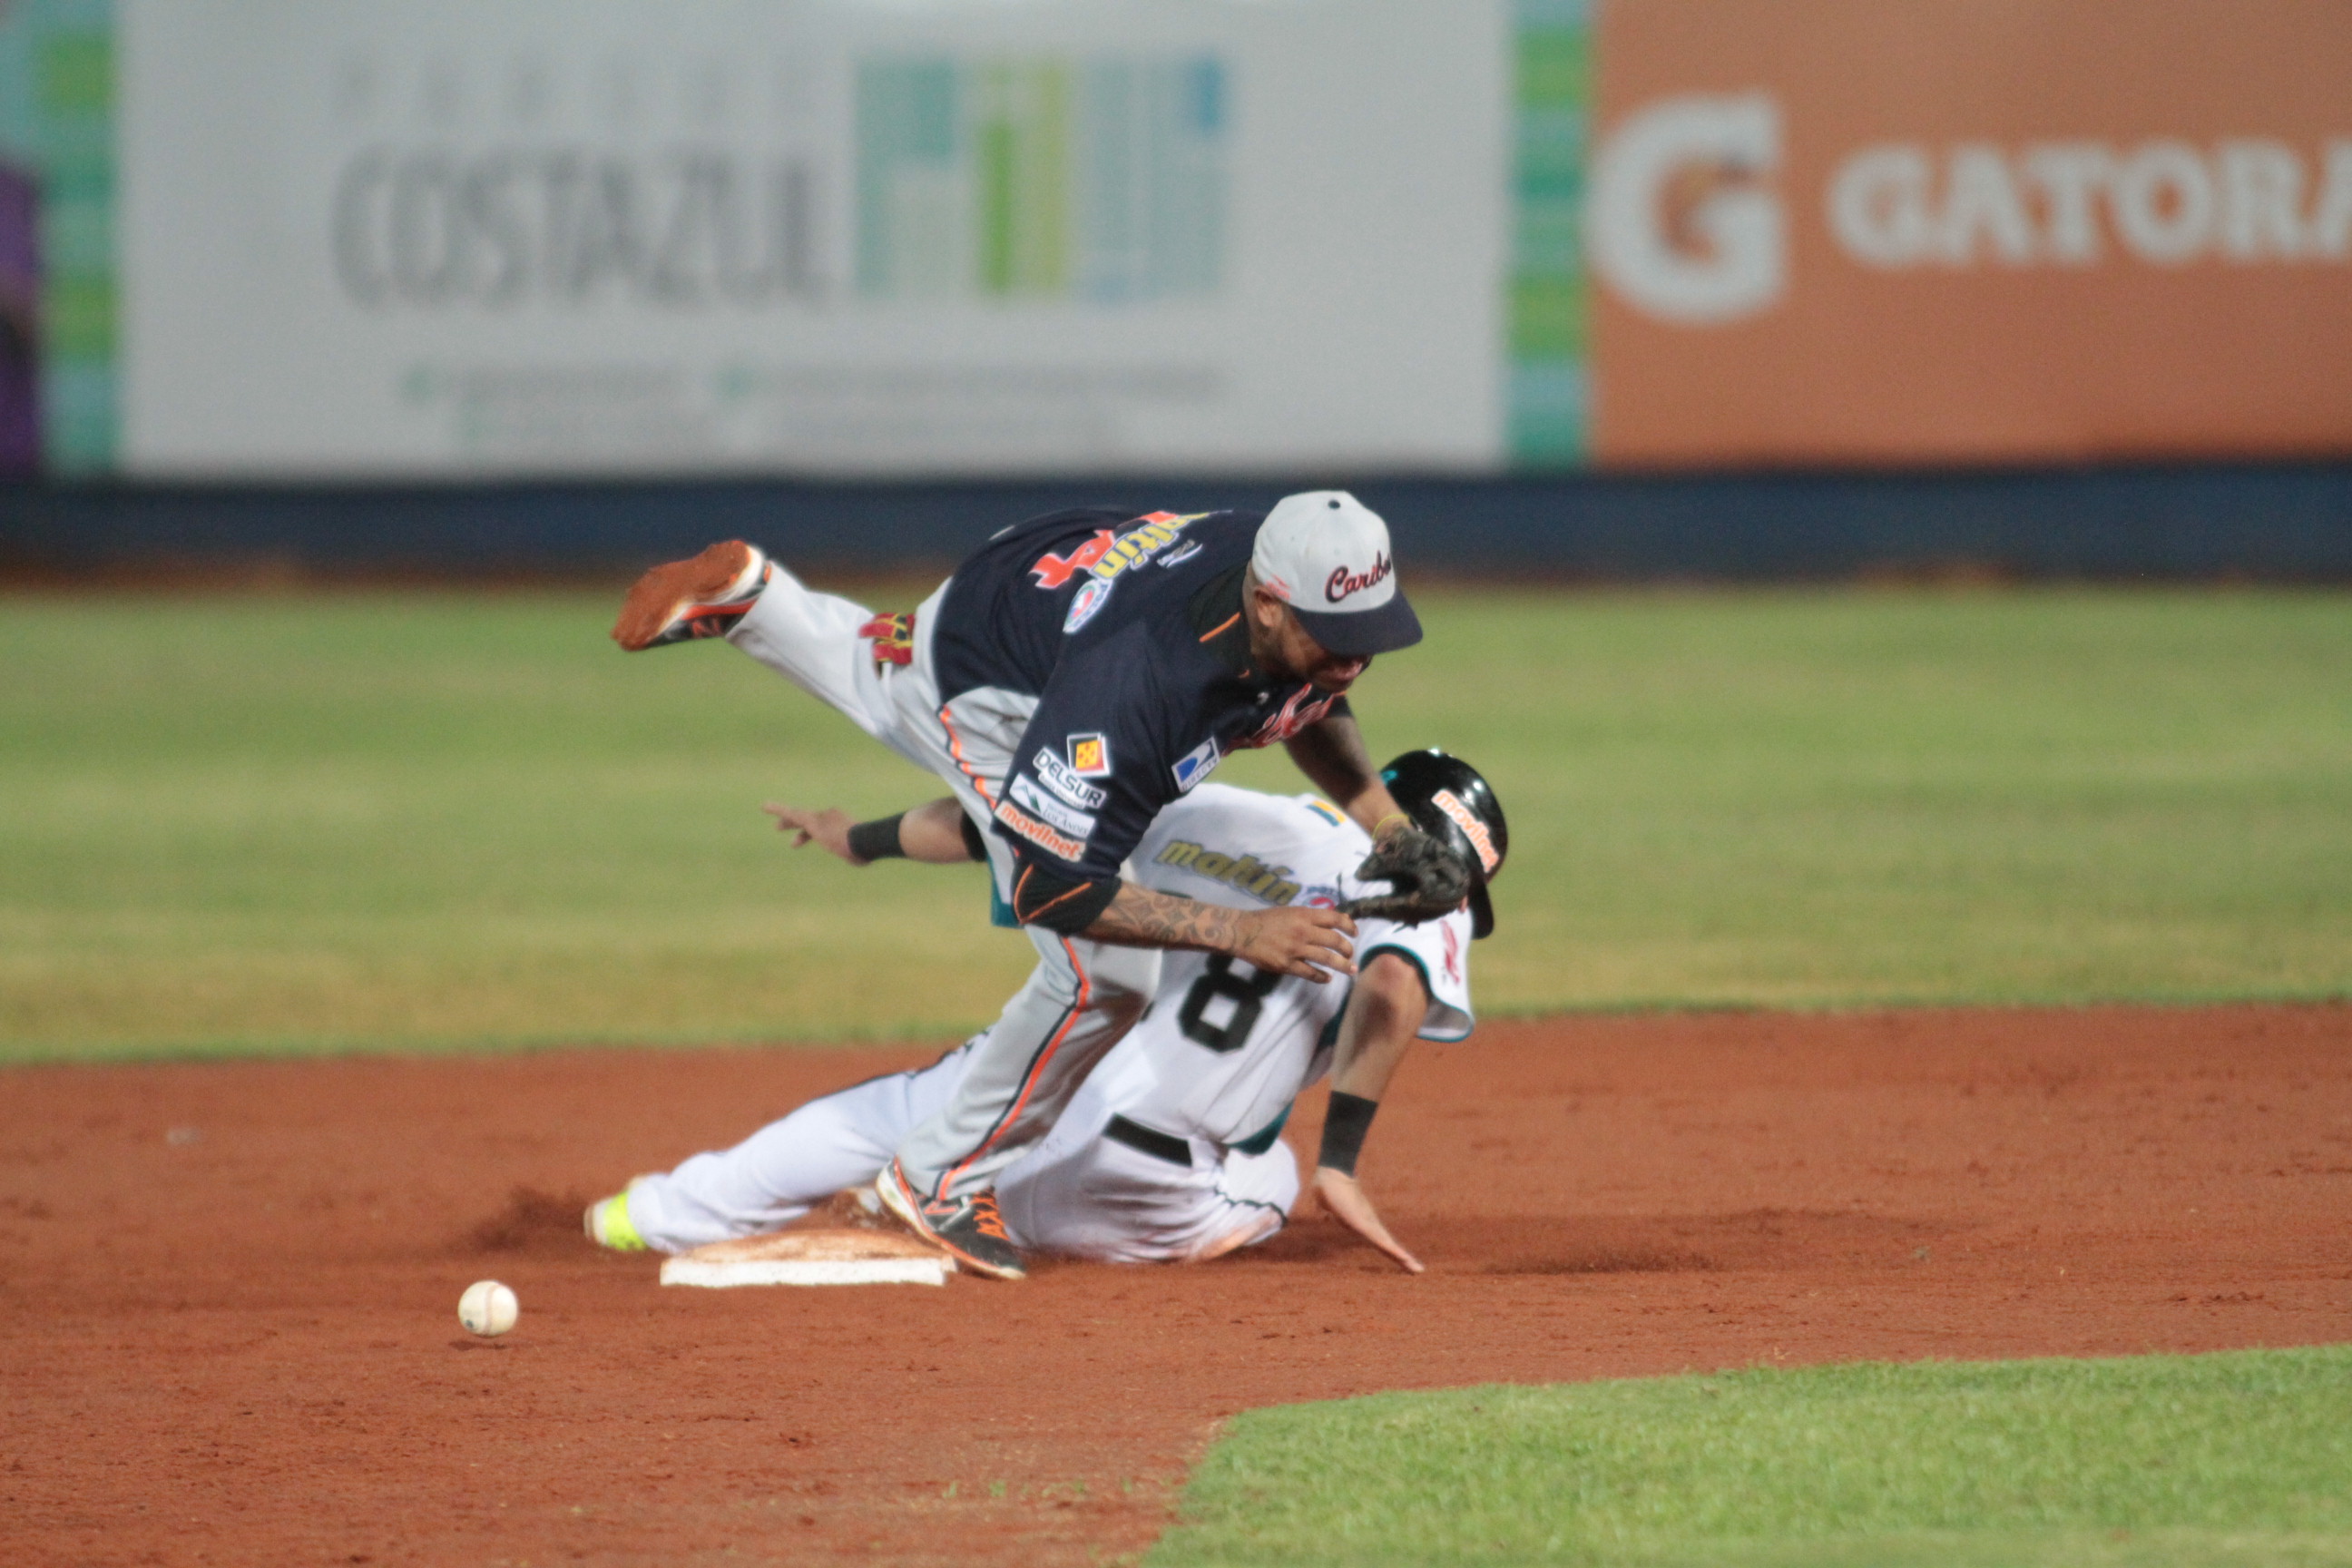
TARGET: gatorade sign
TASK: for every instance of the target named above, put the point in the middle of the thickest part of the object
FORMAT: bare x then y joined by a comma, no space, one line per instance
1844,231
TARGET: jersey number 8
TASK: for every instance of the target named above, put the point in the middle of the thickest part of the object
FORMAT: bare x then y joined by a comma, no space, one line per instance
1248,996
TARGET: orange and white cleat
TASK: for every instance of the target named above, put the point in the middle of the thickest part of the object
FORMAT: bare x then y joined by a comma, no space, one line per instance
703,596
970,1230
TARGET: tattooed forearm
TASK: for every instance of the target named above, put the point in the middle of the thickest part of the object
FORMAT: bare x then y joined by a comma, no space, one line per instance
1332,753
1138,917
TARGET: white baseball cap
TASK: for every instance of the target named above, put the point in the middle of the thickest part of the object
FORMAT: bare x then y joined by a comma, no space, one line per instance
1325,554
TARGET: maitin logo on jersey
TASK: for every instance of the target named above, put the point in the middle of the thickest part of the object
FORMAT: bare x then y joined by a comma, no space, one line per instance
1269,883
1109,552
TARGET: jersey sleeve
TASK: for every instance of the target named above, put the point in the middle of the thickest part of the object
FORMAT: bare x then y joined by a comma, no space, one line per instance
1440,949
1087,781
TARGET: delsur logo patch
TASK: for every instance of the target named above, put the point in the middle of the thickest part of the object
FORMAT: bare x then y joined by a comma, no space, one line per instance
1090,755
1063,781
1197,765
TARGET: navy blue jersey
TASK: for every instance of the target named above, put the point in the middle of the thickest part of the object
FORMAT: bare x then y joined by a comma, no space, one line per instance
1128,632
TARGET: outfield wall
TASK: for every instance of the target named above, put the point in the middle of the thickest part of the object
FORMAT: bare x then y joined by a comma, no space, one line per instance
2276,522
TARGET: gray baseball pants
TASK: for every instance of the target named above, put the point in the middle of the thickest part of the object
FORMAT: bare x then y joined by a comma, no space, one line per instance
1082,996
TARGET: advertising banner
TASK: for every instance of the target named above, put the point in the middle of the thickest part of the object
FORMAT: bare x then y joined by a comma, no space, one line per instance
452,238
604,237
57,338
1887,231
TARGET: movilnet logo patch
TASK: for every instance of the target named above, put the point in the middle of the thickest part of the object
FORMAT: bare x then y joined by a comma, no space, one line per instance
1089,756
1472,829
1344,583
1037,832
1196,765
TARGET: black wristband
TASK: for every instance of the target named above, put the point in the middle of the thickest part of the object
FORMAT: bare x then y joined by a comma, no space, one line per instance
1344,1126
877,840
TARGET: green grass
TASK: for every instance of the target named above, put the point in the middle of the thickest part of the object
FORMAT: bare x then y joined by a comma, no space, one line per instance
434,819
2241,1458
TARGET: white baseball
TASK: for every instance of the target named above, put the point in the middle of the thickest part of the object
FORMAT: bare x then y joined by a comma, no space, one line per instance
488,1307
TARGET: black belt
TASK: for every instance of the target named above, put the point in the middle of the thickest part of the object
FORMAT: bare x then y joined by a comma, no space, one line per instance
1144,1140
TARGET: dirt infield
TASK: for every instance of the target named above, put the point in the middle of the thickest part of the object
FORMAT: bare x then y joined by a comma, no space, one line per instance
229,1292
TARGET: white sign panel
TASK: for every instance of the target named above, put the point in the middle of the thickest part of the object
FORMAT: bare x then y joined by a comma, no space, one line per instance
382,237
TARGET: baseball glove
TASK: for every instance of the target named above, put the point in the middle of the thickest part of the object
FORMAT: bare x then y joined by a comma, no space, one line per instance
1426,877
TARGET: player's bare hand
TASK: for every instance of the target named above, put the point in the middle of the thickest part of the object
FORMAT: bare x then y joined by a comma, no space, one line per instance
828,827
1343,1199
1301,941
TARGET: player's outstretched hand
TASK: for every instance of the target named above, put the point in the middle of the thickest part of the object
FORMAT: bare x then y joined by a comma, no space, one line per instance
829,827
1300,941
1344,1201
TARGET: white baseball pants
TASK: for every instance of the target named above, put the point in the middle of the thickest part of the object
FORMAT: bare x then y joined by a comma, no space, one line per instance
1082,996
1076,1194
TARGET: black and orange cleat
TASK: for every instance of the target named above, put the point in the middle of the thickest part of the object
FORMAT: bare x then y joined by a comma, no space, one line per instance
970,1230
703,596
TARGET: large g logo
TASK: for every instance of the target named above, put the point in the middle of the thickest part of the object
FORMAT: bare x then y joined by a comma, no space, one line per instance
1682,222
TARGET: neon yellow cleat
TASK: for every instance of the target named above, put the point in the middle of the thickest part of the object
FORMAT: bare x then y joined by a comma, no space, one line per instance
607,1224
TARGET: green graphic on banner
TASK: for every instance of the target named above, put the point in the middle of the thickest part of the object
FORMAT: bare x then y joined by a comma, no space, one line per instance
57,233
1040,179
1550,392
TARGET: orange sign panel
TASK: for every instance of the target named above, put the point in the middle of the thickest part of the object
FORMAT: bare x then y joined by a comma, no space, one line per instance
1901,231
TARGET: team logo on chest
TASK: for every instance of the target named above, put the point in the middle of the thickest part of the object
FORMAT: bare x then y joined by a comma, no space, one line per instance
1090,755
1105,557
1245,873
1294,716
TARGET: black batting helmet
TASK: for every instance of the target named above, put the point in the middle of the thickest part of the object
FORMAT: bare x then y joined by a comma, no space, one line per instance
1446,797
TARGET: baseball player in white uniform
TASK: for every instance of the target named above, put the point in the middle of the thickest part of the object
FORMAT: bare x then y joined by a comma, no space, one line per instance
1169,1151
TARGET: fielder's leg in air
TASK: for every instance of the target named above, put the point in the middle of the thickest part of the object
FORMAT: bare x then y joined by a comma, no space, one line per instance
1076,675
1169,1151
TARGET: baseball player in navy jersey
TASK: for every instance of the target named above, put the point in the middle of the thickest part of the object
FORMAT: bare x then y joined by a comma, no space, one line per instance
1170,1150
1074,677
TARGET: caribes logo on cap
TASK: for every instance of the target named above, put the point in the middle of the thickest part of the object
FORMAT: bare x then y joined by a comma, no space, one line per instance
1343,583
